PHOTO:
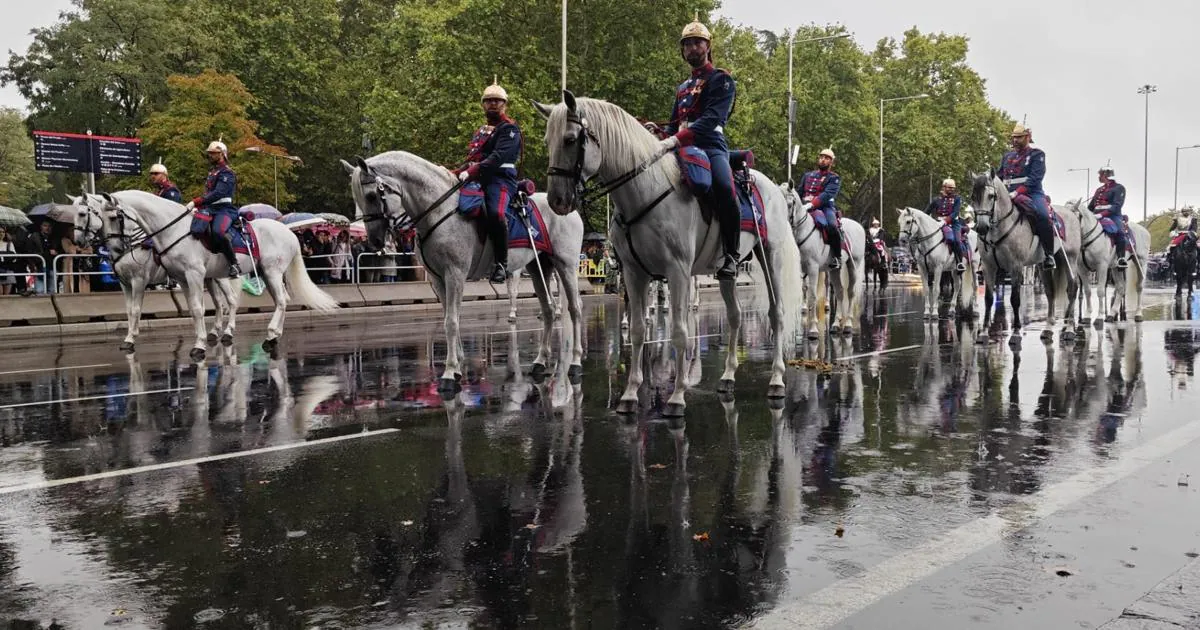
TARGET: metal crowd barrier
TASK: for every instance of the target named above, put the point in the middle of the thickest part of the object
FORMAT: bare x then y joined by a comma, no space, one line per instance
41,263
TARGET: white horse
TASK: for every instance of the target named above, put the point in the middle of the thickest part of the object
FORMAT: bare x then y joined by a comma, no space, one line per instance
847,284
391,186
658,232
1008,241
929,248
1098,255
134,265
188,261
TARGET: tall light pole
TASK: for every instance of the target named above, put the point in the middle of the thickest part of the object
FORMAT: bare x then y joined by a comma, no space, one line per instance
1087,182
1175,203
881,102
1147,90
564,44
275,166
791,106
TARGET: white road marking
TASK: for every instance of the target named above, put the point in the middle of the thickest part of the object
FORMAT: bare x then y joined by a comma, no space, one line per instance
838,601
125,472
668,340
53,369
876,353
895,314
104,397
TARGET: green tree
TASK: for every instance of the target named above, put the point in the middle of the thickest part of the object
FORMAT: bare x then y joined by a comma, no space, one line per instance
204,108
20,183
104,65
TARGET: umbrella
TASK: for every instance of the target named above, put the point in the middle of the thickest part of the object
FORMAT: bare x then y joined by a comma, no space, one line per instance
335,218
595,236
13,218
292,217
358,229
261,211
54,212
303,223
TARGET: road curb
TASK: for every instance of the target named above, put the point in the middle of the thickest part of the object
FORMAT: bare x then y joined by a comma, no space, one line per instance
1173,604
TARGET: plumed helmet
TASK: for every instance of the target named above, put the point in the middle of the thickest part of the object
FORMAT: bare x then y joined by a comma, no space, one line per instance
158,169
697,30
828,152
949,182
217,145
495,91
875,221
1107,170
1186,209
1020,130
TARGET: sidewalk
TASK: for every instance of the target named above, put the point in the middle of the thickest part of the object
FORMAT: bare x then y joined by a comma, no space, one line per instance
1174,604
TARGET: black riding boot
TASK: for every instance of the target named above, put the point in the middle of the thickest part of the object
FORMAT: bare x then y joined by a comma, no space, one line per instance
731,233
835,247
1119,241
1046,235
498,233
226,244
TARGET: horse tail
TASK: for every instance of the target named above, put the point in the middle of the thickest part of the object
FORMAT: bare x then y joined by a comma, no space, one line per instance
785,267
305,290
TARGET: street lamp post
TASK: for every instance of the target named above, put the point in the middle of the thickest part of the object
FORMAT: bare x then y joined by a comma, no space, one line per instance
881,102
1147,90
1175,202
1087,182
791,107
275,167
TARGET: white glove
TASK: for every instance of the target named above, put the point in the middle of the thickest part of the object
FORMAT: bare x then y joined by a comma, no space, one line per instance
667,145
191,205
462,176
806,207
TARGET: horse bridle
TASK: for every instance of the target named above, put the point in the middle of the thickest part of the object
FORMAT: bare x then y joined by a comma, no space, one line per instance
382,189
906,235
575,173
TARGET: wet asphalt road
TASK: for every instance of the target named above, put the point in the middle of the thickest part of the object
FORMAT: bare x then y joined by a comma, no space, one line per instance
925,483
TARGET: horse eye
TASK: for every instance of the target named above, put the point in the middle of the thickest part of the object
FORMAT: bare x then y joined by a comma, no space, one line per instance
569,140
372,197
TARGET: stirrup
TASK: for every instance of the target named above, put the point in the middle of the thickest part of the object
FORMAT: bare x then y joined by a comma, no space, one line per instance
729,267
234,271
960,266
499,274
835,262
1048,262
1122,263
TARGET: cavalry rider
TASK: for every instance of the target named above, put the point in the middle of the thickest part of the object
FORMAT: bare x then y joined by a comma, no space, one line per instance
1184,224
160,180
819,189
1106,203
948,208
703,104
876,232
217,202
1022,170
492,158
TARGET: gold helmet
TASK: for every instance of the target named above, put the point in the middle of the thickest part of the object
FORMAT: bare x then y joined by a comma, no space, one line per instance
949,183
158,169
494,91
696,29
217,146
1020,130
828,152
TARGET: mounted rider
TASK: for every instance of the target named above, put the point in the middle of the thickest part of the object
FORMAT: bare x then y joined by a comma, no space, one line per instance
819,190
1022,170
1106,203
217,202
492,158
703,104
948,207
162,182
1185,224
877,233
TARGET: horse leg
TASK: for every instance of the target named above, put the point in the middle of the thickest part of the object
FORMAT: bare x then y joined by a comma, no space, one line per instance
512,296
542,289
679,283
568,283
452,285
1136,287
193,286
635,287
811,316
220,310
133,309
229,294
1015,299
775,387
279,295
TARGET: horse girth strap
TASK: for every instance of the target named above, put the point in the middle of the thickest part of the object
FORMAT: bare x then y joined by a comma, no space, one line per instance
628,225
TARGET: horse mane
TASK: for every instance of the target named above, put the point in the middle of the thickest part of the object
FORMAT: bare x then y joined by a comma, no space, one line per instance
978,183
624,141
402,165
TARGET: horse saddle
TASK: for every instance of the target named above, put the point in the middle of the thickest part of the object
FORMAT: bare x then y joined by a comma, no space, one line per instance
696,170
206,227
1023,206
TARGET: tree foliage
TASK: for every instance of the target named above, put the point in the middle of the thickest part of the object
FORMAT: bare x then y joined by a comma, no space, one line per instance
328,75
19,182
203,108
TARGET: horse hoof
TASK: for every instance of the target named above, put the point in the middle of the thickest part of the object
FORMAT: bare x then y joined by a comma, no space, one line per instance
776,403
725,386
211,339
575,374
847,331
813,335
1083,321
1097,323
512,319
227,339
1138,318
725,397
775,391
126,346
626,407
1110,319
834,331
673,410
270,344
983,338
538,373
1014,342
1047,335
1067,336
448,386
197,354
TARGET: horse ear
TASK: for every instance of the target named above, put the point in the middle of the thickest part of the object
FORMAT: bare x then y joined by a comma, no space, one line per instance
108,199
569,99
362,163
542,109
349,168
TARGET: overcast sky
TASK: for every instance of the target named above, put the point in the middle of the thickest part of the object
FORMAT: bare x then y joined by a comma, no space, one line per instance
1072,66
